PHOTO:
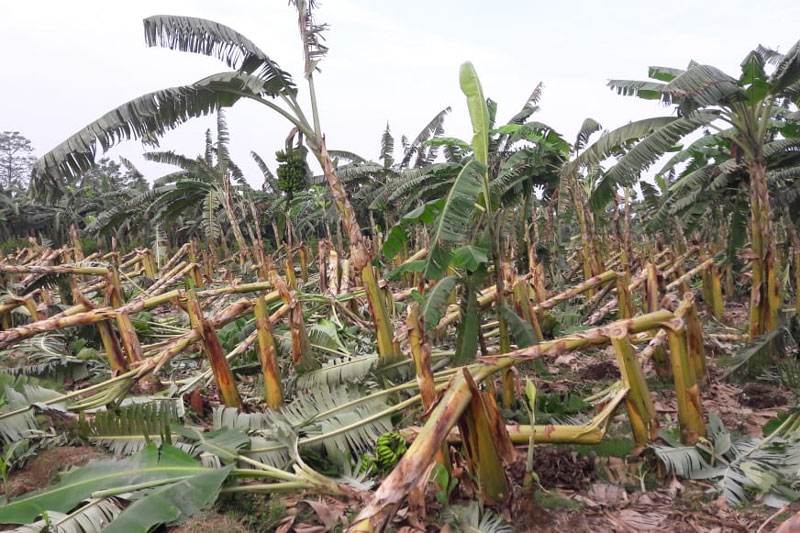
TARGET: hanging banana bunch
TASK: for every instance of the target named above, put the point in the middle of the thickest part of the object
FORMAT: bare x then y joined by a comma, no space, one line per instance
293,171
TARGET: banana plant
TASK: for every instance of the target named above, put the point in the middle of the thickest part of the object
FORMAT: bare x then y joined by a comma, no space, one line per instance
703,187
494,168
201,189
741,110
255,77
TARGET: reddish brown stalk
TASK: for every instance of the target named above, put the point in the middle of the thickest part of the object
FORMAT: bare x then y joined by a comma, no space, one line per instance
216,357
267,355
301,348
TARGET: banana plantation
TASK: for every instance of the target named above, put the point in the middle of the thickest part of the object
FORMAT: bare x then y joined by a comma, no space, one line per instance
504,331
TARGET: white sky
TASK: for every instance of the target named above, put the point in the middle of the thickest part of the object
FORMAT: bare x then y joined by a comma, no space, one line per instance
66,63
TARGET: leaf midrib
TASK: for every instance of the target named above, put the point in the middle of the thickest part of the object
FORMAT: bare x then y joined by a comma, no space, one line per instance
111,476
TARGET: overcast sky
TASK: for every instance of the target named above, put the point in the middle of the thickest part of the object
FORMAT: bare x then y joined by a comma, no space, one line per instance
66,63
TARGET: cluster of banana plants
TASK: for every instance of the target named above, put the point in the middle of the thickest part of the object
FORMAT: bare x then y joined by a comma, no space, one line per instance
317,363
295,376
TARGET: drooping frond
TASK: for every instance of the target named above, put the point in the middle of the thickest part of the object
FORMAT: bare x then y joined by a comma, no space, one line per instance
46,357
612,142
272,450
149,117
44,281
474,519
664,73
791,174
530,106
410,182
201,36
681,460
236,173
723,174
588,127
22,392
269,177
741,465
702,86
770,56
787,71
698,148
321,417
135,172
628,169
352,171
648,90
92,517
347,155
117,214
172,158
338,371
781,146
324,335
532,166
755,356
127,431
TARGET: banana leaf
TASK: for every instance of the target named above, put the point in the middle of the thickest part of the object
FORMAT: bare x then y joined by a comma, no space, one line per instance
171,504
149,466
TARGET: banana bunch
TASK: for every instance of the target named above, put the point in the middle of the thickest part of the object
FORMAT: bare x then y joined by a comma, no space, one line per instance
388,451
292,169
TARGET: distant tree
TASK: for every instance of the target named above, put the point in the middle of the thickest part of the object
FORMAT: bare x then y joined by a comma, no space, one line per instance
109,176
16,160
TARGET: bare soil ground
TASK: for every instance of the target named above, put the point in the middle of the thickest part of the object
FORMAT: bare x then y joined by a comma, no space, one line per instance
43,469
211,521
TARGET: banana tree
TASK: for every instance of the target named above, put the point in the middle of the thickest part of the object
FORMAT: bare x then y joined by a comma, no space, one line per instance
743,108
590,183
467,221
379,185
256,77
710,193
202,187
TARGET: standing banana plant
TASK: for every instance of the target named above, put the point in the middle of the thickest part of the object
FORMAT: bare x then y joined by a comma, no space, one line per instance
745,105
590,186
256,77
201,189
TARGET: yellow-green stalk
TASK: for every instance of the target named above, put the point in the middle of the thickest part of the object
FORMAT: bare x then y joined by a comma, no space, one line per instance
642,414
687,393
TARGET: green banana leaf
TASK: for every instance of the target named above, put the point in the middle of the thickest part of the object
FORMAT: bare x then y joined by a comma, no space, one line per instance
150,465
478,112
436,301
522,331
171,504
468,327
455,221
